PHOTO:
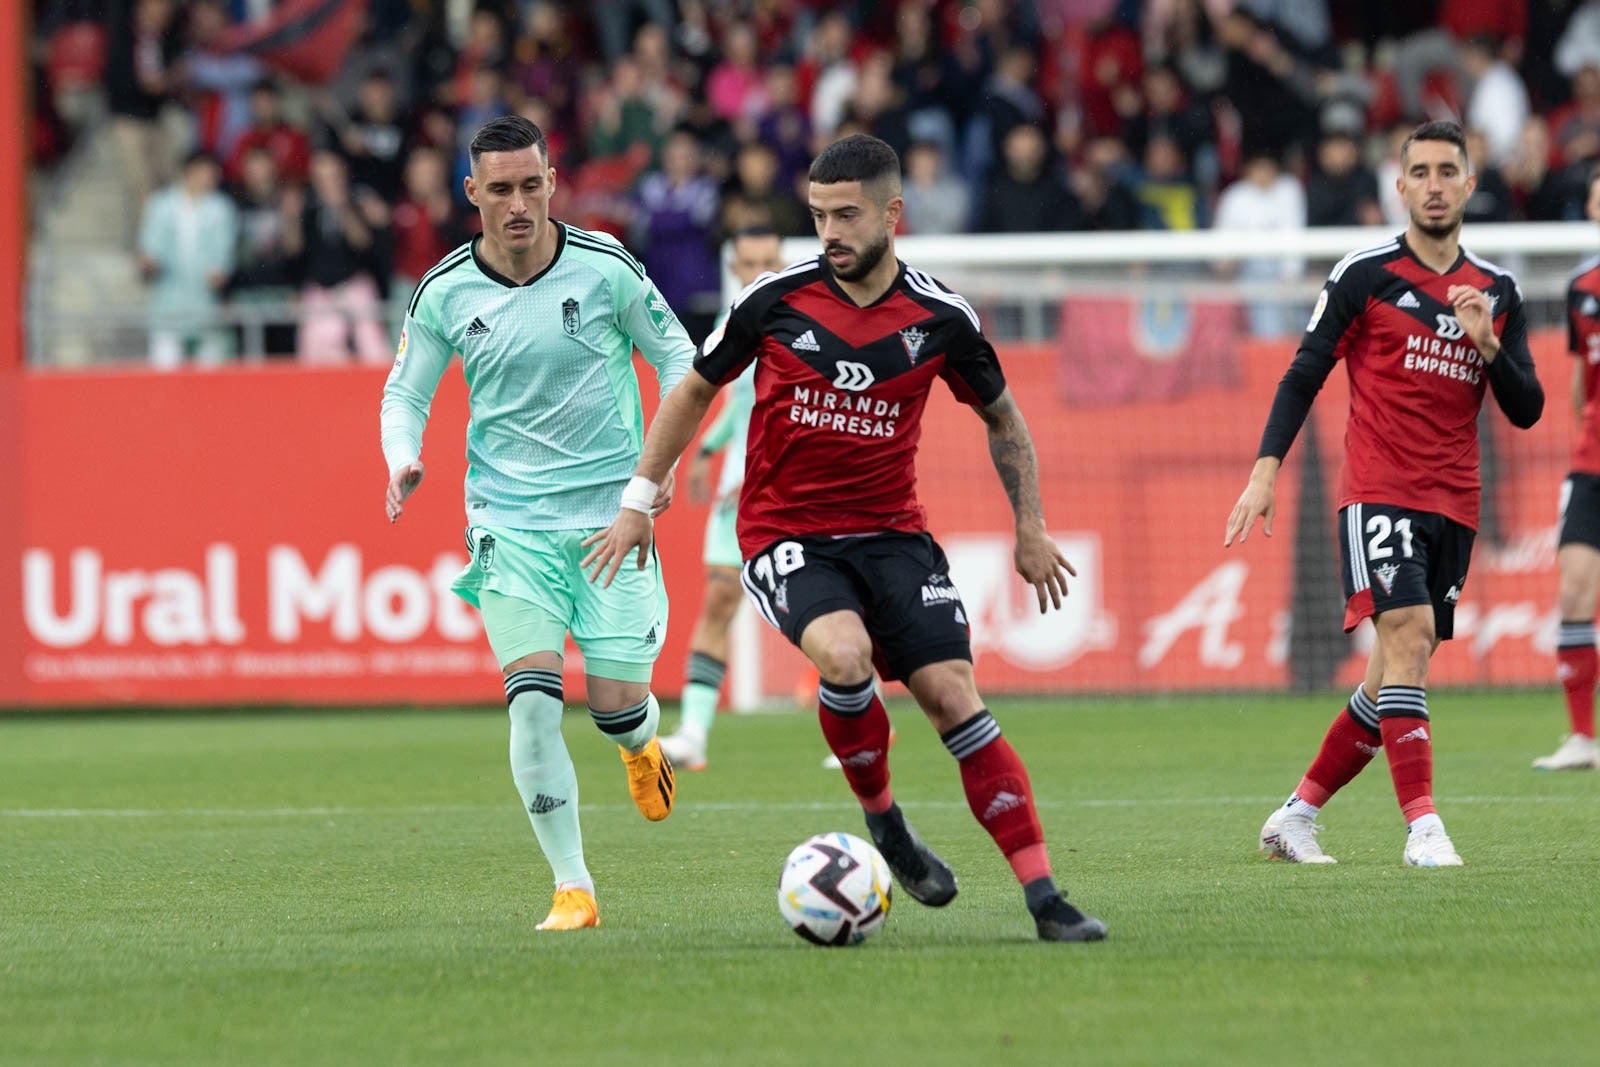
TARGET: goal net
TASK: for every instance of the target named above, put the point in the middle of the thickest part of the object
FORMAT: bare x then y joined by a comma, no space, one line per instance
1145,364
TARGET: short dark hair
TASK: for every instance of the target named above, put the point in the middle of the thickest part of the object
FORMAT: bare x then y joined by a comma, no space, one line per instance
1442,130
509,133
857,158
759,229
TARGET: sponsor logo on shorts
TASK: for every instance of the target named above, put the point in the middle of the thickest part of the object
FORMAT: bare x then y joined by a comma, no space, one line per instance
938,590
780,596
1385,573
650,638
1454,593
571,318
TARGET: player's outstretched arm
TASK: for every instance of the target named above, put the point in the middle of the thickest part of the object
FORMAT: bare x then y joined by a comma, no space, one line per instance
670,433
1258,501
1036,557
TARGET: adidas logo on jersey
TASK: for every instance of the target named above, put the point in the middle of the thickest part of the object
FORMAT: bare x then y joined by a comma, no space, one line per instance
1419,734
477,328
806,342
544,804
1003,802
1408,300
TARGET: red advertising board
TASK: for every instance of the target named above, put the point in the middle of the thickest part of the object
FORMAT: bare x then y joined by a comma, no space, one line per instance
217,538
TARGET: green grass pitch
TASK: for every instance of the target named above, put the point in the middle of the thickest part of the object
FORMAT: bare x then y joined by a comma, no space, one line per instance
307,888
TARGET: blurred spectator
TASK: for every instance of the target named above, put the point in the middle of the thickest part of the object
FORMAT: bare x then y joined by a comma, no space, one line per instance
734,87
186,250
784,126
1009,100
546,68
1579,45
264,271
624,119
937,202
1102,189
615,20
1341,190
1273,89
485,49
826,75
1167,196
1491,198
1390,202
1498,102
485,101
372,137
1112,67
223,79
428,221
1265,199
141,75
877,105
753,199
290,148
935,88
1169,113
339,235
1575,127
675,228
1026,196
1540,189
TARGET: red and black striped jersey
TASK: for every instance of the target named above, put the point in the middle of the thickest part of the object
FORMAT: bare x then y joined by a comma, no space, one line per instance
840,391
1416,380
1583,341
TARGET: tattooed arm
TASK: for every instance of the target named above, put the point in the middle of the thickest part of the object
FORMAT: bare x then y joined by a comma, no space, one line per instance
1037,558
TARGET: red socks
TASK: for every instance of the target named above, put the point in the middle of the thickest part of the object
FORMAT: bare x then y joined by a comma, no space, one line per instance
857,730
1408,742
1351,742
998,792
1577,666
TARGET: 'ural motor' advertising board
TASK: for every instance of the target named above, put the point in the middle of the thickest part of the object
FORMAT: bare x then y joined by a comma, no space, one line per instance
219,538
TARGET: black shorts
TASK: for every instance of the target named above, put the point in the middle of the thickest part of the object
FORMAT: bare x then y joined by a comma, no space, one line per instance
1580,510
898,583
1394,557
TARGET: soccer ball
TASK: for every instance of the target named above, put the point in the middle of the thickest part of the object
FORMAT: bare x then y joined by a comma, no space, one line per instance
834,890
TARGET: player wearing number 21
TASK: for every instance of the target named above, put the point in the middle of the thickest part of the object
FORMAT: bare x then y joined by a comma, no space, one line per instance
847,346
1424,328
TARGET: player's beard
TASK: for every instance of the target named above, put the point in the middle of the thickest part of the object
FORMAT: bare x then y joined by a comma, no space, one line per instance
867,259
1443,227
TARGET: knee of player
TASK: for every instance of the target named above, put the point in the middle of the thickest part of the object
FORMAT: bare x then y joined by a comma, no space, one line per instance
843,661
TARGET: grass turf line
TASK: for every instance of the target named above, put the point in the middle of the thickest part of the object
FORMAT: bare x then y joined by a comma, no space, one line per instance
344,888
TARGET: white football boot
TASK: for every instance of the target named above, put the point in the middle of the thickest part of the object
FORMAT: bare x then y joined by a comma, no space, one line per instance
1577,753
1291,836
686,748
1430,846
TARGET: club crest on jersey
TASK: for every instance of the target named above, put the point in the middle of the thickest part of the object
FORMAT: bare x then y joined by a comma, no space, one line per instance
570,317
1385,574
913,338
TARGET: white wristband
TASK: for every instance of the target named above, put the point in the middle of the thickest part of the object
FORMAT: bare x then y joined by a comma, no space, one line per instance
640,495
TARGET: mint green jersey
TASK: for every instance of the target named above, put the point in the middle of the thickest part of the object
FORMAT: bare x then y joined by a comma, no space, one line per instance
730,431
555,419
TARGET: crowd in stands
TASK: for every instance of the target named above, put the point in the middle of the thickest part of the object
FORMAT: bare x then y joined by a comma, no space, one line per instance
673,123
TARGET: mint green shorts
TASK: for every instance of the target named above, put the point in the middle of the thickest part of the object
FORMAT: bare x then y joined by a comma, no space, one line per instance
722,538
537,593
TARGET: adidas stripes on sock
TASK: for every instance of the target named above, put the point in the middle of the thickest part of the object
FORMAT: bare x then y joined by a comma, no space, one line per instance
1577,665
1403,720
631,727
1353,738
857,731
999,794
543,771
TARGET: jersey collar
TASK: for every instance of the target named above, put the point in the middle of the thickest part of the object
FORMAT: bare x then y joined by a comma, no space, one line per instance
1461,256
495,276
833,284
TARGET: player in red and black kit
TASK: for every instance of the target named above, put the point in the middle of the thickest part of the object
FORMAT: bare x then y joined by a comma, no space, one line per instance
1424,328
1578,556
837,553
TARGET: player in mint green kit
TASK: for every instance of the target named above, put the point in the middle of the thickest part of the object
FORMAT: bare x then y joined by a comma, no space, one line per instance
545,317
755,252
